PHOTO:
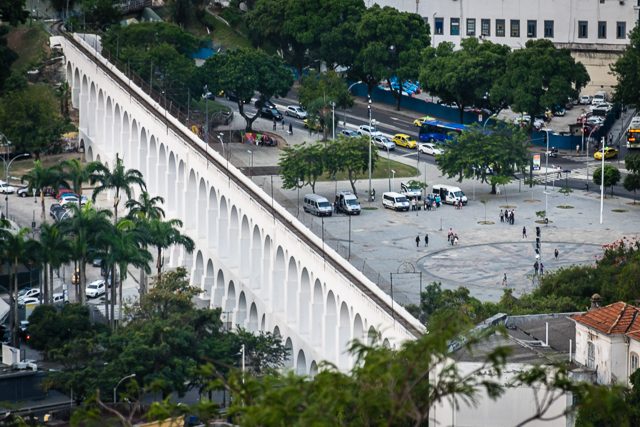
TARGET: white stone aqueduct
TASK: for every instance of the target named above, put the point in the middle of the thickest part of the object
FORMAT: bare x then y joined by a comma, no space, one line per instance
254,266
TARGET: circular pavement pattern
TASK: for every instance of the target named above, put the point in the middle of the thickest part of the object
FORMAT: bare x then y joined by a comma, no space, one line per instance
480,267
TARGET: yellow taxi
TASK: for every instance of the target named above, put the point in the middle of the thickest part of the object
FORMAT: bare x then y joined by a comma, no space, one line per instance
317,127
404,141
608,153
418,122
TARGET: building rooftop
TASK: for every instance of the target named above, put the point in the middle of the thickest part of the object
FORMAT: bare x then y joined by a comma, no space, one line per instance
613,319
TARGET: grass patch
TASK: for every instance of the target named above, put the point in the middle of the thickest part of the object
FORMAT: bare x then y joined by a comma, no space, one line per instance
619,210
30,43
565,207
368,209
541,221
218,30
381,170
214,106
486,222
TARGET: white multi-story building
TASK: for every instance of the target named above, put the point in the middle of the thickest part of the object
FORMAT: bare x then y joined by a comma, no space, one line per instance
596,31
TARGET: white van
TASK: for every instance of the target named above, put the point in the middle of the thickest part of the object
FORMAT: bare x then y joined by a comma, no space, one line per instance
317,205
395,201
410,192
348,203
449,193
599,98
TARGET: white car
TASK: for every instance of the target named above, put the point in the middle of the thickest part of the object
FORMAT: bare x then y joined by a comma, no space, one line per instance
368,130
60,298
72,199
30,300
6,188
95,289
604,106
383,143
28,293
429,148
296,112
586,99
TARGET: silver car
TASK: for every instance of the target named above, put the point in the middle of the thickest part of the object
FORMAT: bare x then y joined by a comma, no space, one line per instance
296,112
383,143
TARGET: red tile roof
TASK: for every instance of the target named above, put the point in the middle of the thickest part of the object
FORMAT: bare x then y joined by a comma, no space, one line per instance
617,318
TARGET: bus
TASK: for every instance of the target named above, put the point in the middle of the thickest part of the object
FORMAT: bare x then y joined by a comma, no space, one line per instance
435,130
633,133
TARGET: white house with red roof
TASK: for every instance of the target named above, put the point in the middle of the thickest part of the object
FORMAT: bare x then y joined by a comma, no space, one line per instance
608,340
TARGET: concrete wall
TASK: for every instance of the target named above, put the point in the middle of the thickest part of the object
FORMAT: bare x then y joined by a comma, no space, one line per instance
253,266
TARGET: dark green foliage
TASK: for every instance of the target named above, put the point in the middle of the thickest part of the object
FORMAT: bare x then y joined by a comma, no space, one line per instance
100,13
12,12
7,57
50,330
611,176
626,70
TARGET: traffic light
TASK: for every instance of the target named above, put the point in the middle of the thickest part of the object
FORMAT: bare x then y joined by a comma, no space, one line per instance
586,130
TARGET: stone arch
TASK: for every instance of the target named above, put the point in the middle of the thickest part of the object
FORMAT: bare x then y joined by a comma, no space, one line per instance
305,303
245,248
125,140
198,271
171,181
234,237
330,324
386,343
189,218
313,369
162,172
202,210
344,337
301,363
241,316
223,223
213,218
253,318
108,127
317,313
266,267
75,92
278,281
91,111
288,363
99,134
231,297
276,332
89,155
117,130
182,175
292,291
256,259
209,281
142,154
372,336
218,294
69,73
263,323
134,146
98,159
358,329
152,159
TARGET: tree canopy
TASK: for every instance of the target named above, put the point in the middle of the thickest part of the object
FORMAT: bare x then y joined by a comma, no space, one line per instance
611,176
627,89
328,84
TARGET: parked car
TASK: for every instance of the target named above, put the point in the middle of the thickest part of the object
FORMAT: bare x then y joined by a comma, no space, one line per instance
28,293
6,188
295,111
366,130
73,199
349,133
383,143
270,113
266,104
96,288
585,99
30,300
97,262
430,148
55,209
24,192
60,298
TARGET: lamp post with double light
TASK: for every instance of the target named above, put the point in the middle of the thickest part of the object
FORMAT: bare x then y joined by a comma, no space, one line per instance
250,164
116,387
345,108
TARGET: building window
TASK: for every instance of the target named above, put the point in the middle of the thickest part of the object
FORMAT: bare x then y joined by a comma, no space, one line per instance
455,26
471,27
486,27
591,355
439,26
602,30
634,363
500,27
583,29
621,32
548,29
532,28
515,28
425,20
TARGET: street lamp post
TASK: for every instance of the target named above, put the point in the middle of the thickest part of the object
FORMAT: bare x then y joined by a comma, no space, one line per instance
546,165
7,167
250,164
602,182
116,387
333,119
369,106
394,177
389,166
345,108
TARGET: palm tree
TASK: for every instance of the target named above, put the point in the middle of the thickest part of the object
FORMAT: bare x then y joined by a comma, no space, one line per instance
86,224
75,175
163,234
141,211
119,180
64,93
56,249
39,178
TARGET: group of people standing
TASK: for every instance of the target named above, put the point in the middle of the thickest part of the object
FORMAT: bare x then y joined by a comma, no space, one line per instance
508,216
452,237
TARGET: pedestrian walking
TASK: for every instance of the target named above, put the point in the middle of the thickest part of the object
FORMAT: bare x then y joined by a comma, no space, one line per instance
556,253
501,216
426,240
290,129
513,217
455,240
541,269
417,241
274,124
413,204
577,149
559,170
535,267
283,123
449,235
524,232
504,280
427,204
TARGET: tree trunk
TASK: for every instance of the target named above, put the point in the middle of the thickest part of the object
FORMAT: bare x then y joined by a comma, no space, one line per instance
142,287
12,326
43,215
16,322
106,290
51,283
113,299
493,189
353,185
120,304
45,296
249,120
83,281
159,263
